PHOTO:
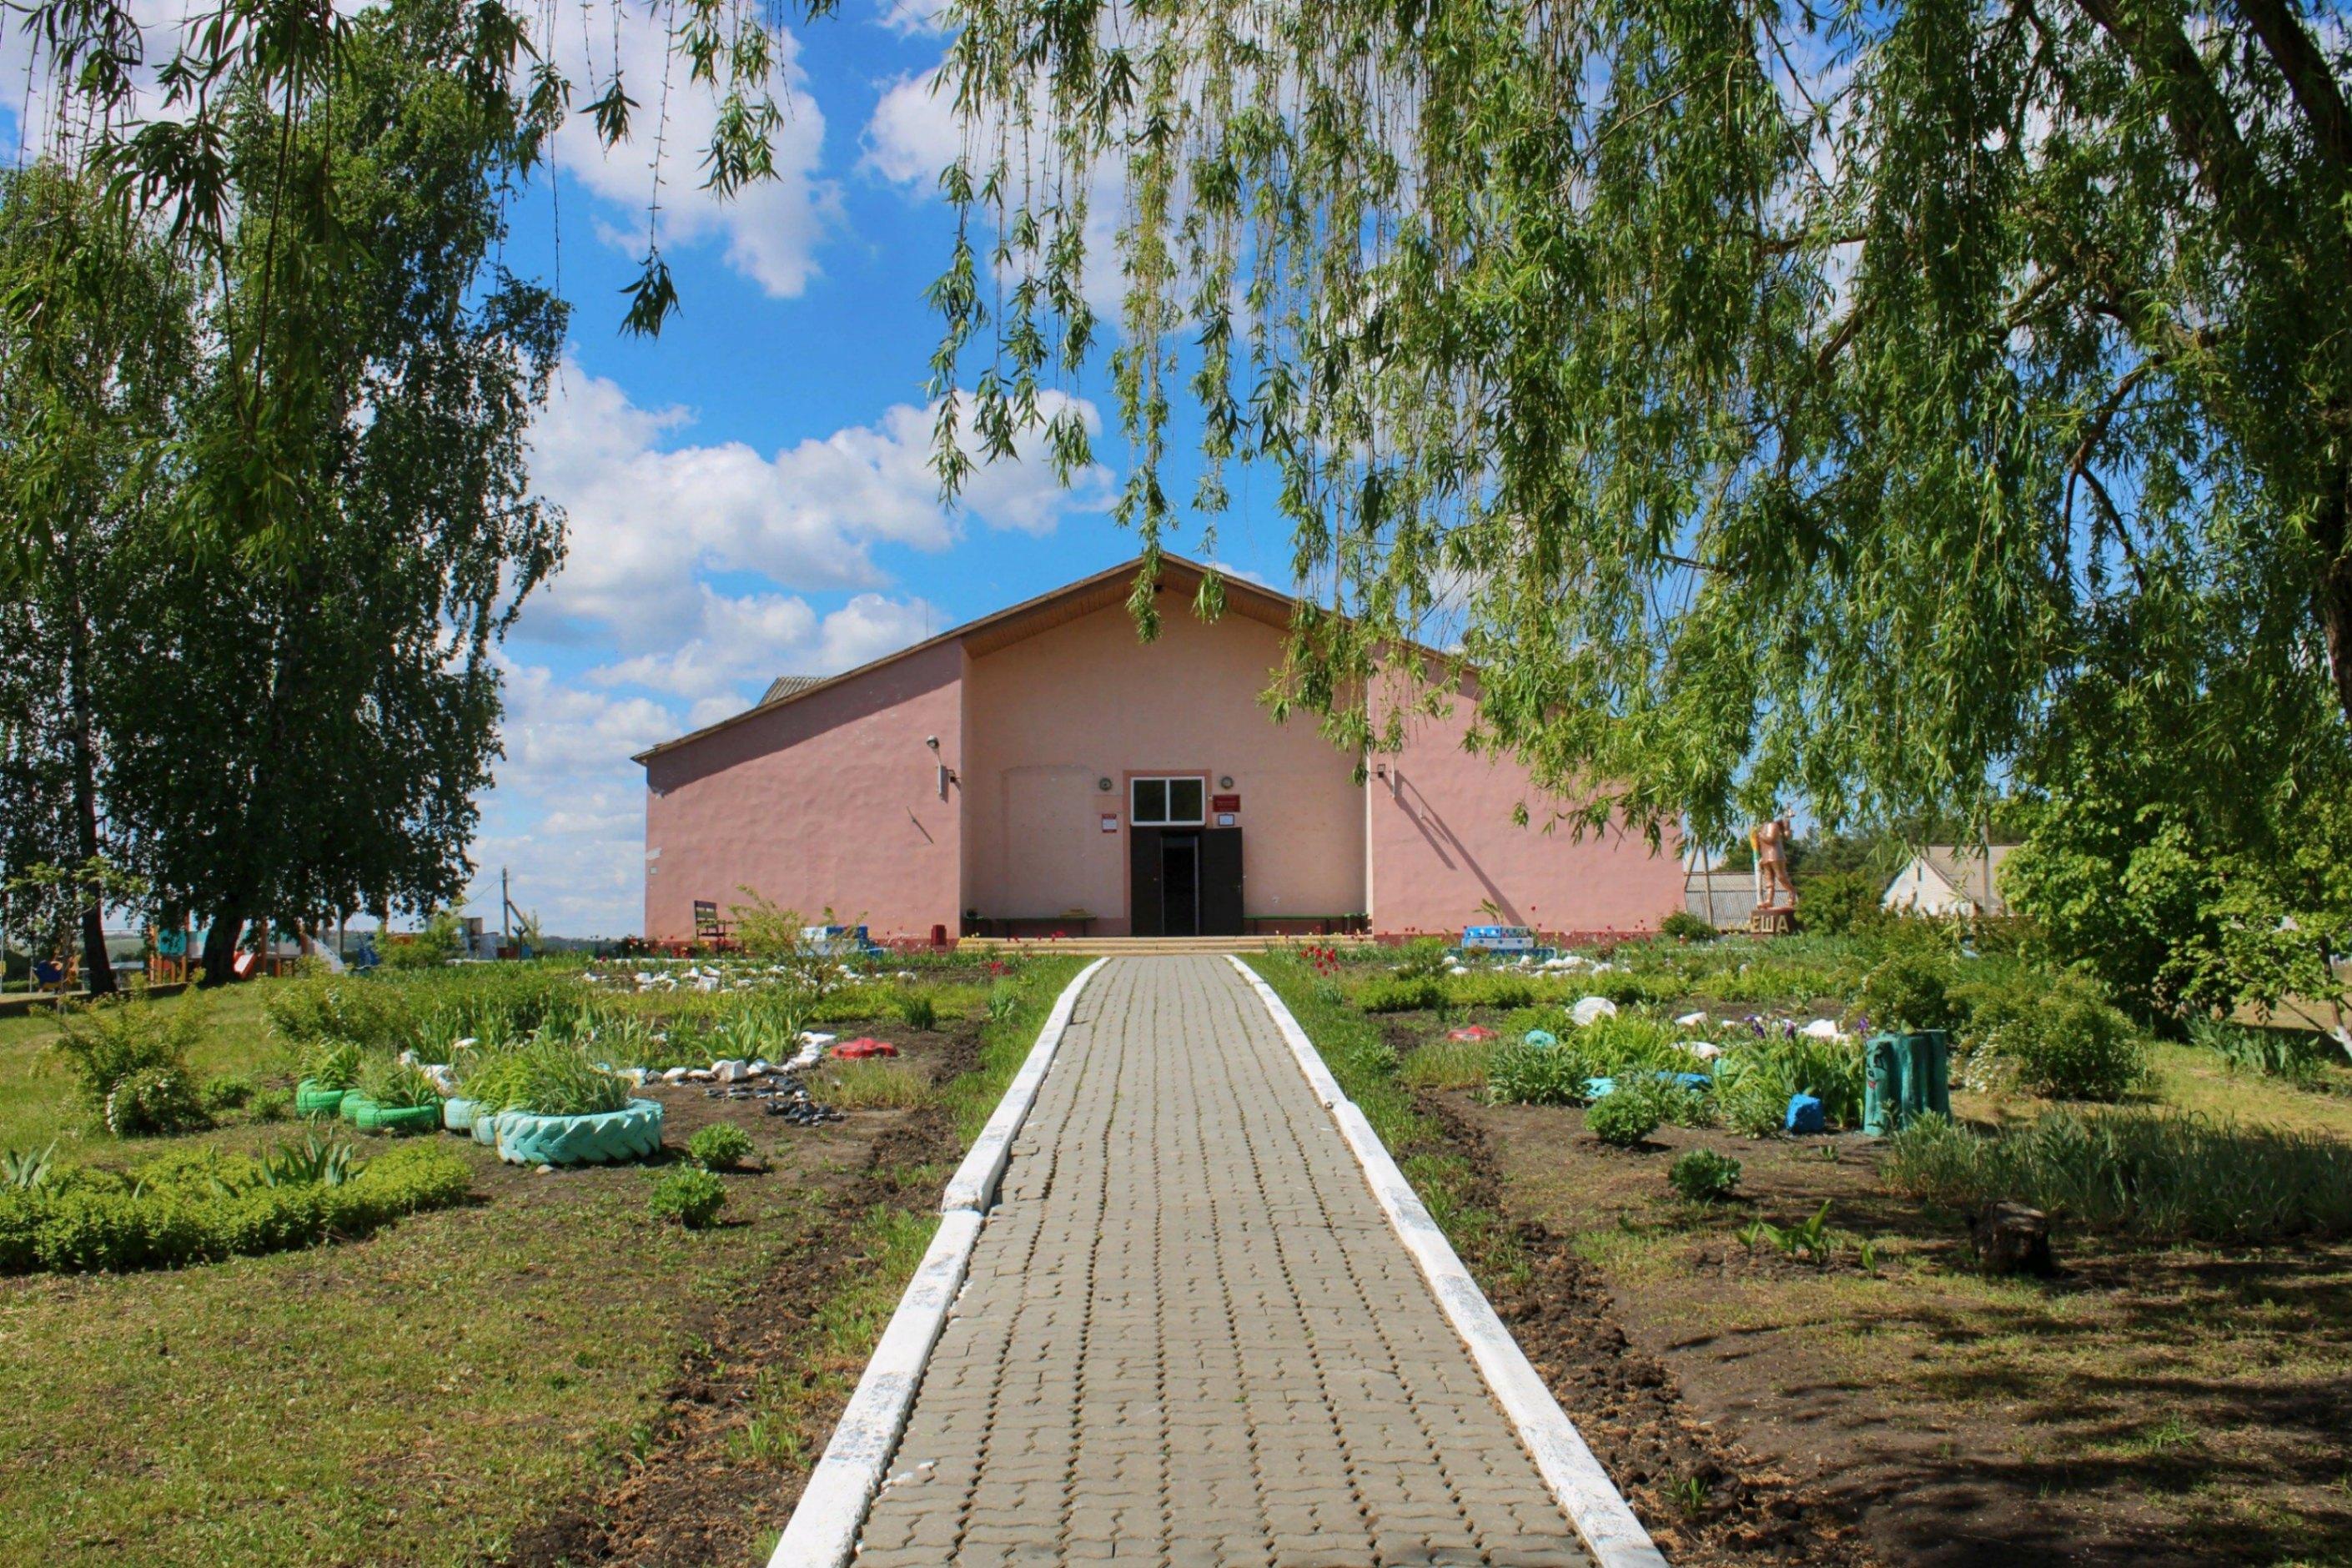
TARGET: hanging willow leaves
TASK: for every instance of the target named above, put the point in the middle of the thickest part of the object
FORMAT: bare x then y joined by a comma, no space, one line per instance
1763,398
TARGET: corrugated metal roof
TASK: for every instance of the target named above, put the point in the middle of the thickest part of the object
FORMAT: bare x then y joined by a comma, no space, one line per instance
786,686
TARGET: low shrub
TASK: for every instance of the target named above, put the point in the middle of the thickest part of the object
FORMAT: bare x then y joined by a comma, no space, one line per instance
208,1205
1520,1074
721,1146
1768,982
1681,925
1704,1176
396,1085
2054,1035
690,1196
109,1042
914,1008
224,1092
1910,991
1423,958
1624,1119
1402,993
155,1102
335,1063
340,1008
549,1076
2162,1175
1754,1082
270,1104
1490,988
2291,1056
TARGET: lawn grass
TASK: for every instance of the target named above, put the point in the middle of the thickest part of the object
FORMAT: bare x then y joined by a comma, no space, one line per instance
434,1393
415,1397
37,1091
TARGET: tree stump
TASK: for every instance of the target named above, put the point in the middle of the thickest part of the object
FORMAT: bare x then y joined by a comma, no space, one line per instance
2012,1238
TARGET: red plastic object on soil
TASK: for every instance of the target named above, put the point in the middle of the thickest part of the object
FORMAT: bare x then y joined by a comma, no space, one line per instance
864,1045
1474,1032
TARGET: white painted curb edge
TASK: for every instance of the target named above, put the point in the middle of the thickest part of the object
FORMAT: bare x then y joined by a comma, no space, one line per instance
973,1186
1611,1533
823,1530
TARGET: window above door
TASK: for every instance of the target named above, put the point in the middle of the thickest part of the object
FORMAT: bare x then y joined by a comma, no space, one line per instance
1174,801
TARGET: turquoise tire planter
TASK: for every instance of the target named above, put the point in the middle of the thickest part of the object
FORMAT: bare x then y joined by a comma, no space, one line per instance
486,1127
368,1117
630,1133
457,1115
310,1099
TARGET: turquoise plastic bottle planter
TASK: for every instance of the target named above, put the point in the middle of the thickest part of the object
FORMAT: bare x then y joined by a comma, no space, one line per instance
630,1133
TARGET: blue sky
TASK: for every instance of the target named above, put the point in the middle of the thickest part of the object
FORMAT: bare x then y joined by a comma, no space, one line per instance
748,495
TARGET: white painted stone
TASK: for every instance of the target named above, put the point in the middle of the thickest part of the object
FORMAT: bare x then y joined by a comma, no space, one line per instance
1592,1010
823,1531
975,1184
1690,1020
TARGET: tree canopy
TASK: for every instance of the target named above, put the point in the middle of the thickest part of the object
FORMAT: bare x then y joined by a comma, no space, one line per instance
294,724
1767,400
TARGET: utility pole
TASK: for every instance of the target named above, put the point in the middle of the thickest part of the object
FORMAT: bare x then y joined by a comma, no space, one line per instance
505,910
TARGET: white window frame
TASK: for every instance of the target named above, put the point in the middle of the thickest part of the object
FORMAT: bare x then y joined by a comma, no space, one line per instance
1134,811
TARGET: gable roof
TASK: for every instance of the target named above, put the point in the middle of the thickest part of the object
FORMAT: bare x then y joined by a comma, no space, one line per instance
1961,869
1018,623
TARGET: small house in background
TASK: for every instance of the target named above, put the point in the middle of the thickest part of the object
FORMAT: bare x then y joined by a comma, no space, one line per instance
1949,879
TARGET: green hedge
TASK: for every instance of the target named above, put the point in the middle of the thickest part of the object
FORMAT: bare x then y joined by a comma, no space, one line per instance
206,1206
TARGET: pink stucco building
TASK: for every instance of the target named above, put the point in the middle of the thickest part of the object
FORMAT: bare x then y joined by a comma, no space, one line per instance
1041,770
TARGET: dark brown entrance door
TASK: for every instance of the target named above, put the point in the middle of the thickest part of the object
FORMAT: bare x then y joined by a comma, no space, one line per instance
1221,881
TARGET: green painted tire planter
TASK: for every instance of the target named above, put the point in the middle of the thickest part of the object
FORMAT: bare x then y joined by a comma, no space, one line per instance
630,1133
457,1115
368,1117
310,1099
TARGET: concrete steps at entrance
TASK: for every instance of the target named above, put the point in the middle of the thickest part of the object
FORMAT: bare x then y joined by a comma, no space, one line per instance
1131,946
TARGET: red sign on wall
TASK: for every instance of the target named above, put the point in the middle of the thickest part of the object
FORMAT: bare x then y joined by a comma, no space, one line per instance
1225,803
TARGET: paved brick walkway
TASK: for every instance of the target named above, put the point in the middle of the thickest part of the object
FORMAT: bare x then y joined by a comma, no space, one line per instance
1189,1336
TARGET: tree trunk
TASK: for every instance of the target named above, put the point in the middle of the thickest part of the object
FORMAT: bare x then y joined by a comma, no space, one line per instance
220,947
2336,615
97,969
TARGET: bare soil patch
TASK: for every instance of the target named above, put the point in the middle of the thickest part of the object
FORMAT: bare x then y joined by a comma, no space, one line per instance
2145,1406
690,1493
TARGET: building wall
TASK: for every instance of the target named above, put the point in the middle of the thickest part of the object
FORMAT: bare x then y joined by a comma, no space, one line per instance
1050,716
831,800
1442,841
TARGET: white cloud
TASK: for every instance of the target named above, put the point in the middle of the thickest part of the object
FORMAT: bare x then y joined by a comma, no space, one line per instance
649,518
753,639
688,584
772,228
913,18
915,131
567,813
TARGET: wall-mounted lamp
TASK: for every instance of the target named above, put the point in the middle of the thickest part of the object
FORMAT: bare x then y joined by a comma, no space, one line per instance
1103,785
1226,781
932,741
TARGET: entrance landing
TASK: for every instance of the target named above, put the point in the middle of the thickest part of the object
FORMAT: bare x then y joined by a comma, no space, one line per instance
1135,946
1189,1336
